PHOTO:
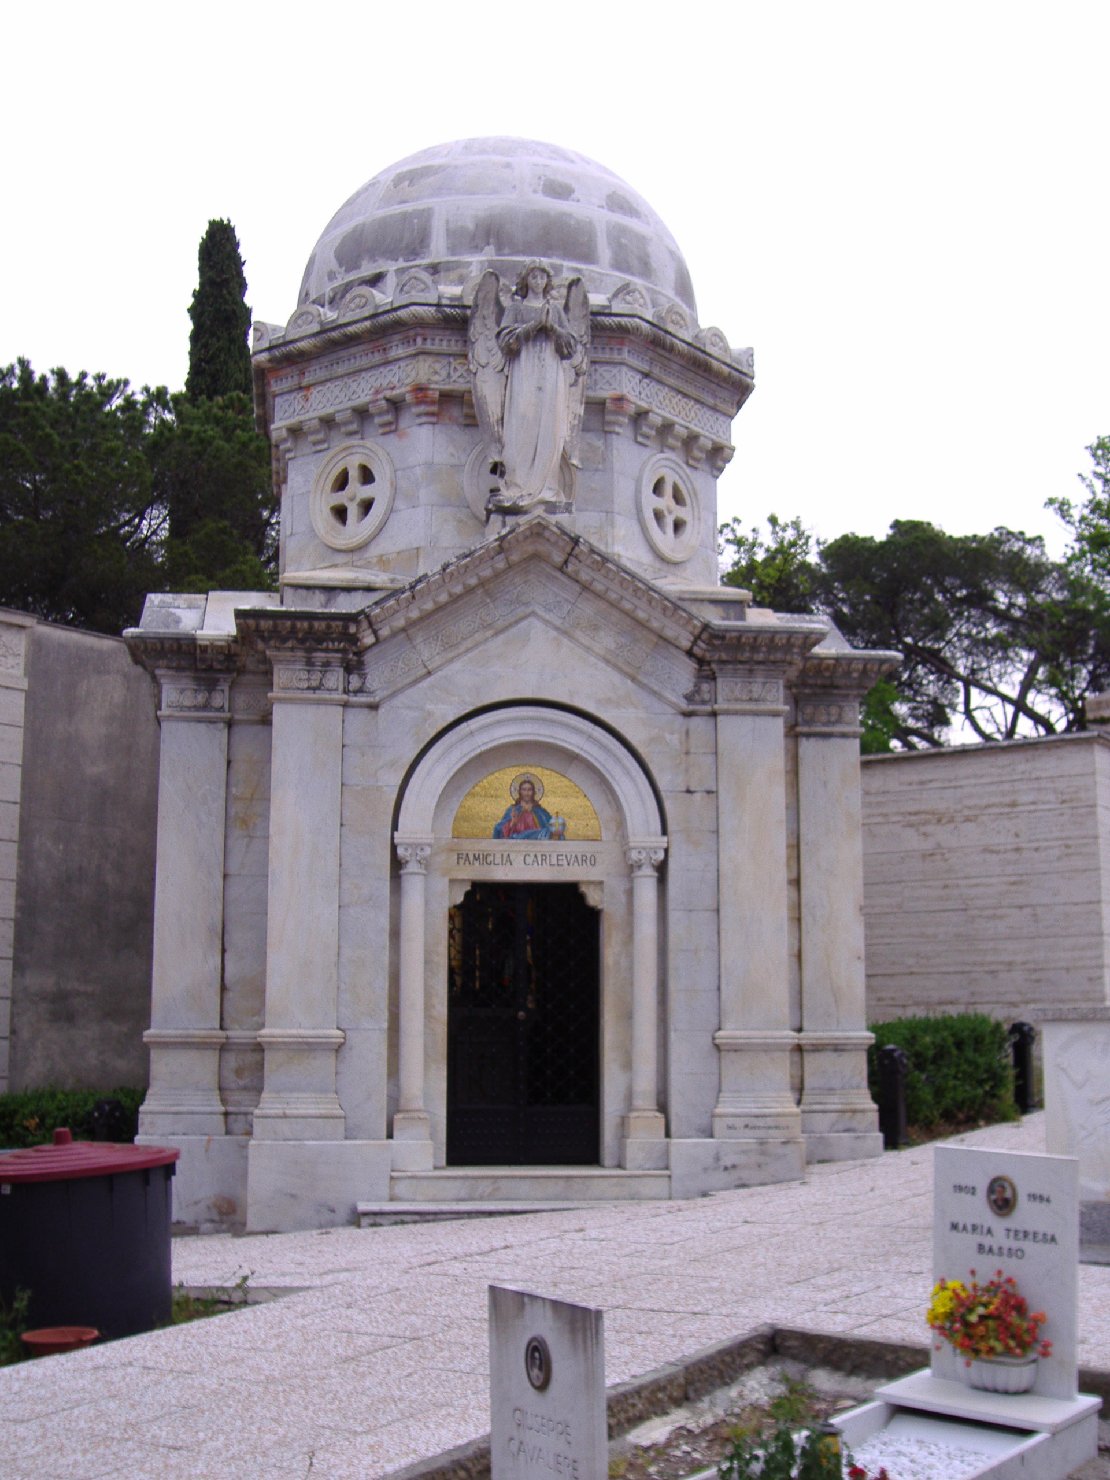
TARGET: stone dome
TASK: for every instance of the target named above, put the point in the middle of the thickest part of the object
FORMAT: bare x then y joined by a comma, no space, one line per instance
455,209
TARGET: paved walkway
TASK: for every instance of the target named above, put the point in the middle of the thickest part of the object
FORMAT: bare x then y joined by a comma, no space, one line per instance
380,1358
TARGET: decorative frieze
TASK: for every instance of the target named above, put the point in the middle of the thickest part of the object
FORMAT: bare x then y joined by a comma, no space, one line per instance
195,697
748,690
299,679
830,714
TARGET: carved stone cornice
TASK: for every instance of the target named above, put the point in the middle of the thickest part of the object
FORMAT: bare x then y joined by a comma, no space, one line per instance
283,630
845,670
828,687
379,358
785,643
183,652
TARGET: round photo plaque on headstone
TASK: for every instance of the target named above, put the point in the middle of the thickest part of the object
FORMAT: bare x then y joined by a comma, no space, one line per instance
537,1362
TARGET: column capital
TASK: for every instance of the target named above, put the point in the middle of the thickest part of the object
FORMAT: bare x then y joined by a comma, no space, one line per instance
413,854
644,858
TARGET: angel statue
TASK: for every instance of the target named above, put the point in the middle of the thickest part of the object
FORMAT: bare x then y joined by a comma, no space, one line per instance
529,362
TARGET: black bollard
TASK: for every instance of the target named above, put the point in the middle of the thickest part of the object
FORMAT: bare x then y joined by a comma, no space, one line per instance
1022,1038
109,1121
893,1064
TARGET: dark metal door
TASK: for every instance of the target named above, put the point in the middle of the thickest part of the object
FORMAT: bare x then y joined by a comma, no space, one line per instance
522,1028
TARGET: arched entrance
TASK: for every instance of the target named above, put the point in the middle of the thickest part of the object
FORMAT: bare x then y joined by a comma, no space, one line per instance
506,1054
523,1012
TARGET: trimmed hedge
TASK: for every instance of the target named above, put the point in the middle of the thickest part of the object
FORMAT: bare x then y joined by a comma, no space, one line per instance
960,1068
30,1117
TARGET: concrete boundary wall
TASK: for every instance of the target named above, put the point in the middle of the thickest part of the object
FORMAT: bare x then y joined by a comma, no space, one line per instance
78,788
986,877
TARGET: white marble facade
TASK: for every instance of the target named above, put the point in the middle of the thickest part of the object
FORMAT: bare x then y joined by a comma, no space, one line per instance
319,746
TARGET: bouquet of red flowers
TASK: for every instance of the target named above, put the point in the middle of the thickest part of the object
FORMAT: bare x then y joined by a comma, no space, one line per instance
988,1320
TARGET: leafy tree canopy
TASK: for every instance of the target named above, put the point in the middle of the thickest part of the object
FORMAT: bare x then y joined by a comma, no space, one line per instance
80,525
996,638
108,493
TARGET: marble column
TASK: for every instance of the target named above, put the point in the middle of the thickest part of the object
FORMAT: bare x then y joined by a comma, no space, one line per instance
839,1119
185,1036
300,1039
644,1147
755,1041
412,1143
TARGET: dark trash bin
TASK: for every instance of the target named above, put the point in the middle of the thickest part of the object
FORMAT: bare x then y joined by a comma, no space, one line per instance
85,1227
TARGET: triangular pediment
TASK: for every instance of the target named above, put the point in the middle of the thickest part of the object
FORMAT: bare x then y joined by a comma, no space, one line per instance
534,570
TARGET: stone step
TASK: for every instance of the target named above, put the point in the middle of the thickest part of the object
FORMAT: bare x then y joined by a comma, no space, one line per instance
381,1215
525,1188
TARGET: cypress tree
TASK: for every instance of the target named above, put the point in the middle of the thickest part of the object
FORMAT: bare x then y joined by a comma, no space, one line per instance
219,360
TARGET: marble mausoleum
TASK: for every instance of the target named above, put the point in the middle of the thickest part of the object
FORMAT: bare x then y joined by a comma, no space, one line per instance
502,854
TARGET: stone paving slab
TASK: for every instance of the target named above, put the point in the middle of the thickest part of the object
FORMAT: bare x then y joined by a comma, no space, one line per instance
378,1358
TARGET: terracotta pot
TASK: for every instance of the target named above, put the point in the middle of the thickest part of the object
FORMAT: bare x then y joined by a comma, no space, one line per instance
1002,1374
50,1339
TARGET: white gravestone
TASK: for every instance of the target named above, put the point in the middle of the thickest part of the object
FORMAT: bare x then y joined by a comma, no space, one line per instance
547,1388
1018,1213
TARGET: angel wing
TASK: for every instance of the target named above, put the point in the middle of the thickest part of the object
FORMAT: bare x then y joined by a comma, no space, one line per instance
487,363
577,309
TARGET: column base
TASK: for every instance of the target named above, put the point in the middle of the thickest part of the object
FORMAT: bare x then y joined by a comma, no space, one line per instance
289,1116
184,1094
209,1187
412,1141
294,1185
704,1166
644,1144
167,1114
839,1118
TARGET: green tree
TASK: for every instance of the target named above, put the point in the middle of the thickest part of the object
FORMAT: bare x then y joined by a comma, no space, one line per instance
211,470
80,523
995,636
997,639
219,360
210,464
778,570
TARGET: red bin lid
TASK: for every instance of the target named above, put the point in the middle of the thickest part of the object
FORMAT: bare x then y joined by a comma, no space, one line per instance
67,1159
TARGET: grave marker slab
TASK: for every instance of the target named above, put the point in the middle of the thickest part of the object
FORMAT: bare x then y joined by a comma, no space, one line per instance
547,1388
1016,1212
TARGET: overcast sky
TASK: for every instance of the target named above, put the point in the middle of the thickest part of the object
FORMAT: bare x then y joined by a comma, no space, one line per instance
903,207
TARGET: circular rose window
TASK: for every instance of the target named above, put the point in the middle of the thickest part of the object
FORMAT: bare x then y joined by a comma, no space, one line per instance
352,496
668,508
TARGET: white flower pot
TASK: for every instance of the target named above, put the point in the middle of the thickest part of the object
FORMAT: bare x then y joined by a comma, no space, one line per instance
1002,1374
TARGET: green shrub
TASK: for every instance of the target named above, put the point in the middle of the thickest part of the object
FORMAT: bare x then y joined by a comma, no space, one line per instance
30,1117
960,1068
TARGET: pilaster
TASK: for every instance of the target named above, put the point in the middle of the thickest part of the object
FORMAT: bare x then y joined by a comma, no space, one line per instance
755,1042
839,1119
185,1035
301,1038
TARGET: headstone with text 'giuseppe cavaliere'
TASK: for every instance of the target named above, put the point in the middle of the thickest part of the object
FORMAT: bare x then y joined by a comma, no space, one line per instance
547,1388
